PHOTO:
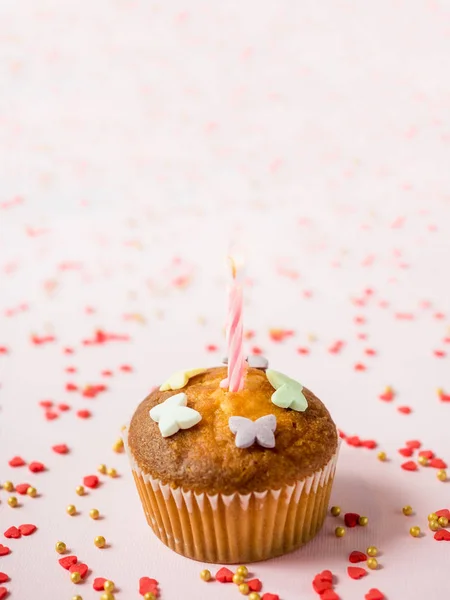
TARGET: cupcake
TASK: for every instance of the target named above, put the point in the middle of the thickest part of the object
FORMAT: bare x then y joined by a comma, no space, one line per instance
233,477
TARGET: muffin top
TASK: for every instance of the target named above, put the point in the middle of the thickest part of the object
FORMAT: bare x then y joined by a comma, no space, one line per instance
205,457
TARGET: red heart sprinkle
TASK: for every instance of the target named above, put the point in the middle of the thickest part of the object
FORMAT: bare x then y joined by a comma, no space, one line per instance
51,416
374,594
351,519
4,550
60,449
387,396
224,575
371,444
91,481
16,461
437,463
320,585
64,407
329,595
410,465
46,403
406,451
27,529
148,585
254,585
83,414
356,557
36,467
21,488
415,444
427,454
354,440
80,568
442,535
356,572
443,513
3,577
99,583
269,596
71,387
406,410
3,592
12,533
326,575
360,367
68,561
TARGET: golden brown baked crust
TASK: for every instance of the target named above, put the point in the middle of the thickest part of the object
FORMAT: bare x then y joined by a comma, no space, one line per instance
205,458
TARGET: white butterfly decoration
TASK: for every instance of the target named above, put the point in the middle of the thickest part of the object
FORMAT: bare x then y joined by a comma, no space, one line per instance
173,414
248,432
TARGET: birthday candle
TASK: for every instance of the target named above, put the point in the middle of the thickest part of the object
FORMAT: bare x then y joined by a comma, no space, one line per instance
236,360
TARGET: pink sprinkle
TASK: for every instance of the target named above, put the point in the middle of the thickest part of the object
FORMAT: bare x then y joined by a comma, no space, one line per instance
359,367
370,351
256,350
406,410
126,368
439,353
211,348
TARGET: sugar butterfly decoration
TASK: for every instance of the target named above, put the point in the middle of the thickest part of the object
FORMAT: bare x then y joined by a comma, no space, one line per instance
248,432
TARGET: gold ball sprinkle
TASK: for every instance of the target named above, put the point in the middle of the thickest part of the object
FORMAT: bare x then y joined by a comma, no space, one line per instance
238,579
75,577
415,531
101,469
443,521
244,589
422,460
8,486
407,510
382,456
149,596
71,510
107,596
242,571
32,492
335,511
254,596
432,517
100,541
118,445
80,490
442,475
111,472
339,532
77,597
12,501
363,521
94,514
205,575
433,525
108,586
60,547
372,551
372,563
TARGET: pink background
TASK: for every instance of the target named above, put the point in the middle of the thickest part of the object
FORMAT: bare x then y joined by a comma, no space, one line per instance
142,137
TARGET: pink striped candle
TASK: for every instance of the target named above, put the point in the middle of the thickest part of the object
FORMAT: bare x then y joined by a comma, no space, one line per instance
235,335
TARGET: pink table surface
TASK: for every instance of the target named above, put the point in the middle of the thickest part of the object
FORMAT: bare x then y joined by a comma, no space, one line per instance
136,139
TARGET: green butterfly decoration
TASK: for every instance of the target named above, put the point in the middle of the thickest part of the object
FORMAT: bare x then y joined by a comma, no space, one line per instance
289,393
